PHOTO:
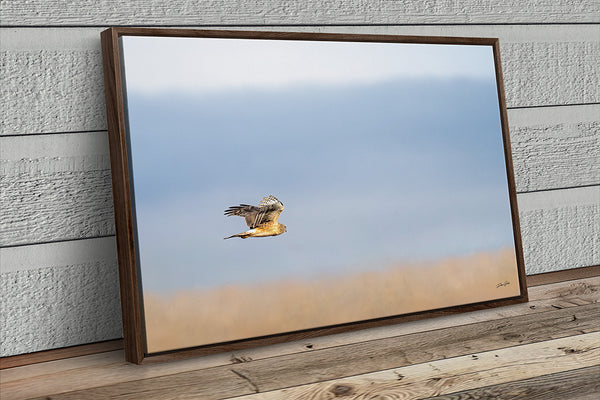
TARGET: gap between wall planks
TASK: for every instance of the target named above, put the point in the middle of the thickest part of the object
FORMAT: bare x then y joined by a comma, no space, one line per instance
545,279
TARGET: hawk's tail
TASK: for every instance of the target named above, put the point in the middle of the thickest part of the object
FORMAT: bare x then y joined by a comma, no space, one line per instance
242,235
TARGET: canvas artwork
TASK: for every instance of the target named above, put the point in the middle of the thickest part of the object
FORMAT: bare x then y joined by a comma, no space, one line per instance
286,185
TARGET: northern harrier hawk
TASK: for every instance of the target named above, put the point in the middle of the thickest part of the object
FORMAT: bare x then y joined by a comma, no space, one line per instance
261,220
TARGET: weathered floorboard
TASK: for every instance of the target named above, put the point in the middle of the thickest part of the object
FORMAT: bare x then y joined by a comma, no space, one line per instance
318,12
465,374
577,384
549,65
365,357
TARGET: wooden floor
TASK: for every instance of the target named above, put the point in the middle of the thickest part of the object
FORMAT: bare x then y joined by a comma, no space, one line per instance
548,348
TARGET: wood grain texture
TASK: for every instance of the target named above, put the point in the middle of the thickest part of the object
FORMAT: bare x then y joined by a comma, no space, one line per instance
62,180
577,384
110,368
465,374
59,354
80,203
555,147
129,279
265,12
48,308
365,357
70,252
58,294
39,90
552,65
563,275
565,236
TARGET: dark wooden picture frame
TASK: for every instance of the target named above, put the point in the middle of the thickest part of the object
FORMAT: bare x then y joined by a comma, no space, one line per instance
125,219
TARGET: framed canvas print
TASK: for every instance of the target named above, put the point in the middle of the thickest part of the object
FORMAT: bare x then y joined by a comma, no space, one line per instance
274,186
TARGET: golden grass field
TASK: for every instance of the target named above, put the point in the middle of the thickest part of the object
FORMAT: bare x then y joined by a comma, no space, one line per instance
193,318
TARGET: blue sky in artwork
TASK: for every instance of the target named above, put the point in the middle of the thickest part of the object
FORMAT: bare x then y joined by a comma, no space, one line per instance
372,171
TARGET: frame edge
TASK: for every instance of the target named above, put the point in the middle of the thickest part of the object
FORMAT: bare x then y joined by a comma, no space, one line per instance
130,301
510,173
130,292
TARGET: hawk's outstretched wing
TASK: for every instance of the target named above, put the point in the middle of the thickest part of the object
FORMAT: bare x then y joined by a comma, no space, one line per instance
267,212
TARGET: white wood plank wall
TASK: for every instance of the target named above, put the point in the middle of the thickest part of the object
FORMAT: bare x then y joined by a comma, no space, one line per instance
59,284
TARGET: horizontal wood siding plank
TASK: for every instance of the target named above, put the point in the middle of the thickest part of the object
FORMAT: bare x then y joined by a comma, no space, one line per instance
562,237
318,12
59,294
57,206
53,77
555,147
55,187
365,357
540,74
466,374
55,306
51,90
55,198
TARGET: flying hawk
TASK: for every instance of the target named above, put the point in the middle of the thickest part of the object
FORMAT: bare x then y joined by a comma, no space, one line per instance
261,220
